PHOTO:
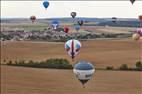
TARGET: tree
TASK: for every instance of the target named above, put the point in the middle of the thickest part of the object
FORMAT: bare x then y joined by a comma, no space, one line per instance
139,65
124,67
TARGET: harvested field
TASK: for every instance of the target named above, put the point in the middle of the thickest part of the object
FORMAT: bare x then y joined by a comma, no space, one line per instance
20,80
100,52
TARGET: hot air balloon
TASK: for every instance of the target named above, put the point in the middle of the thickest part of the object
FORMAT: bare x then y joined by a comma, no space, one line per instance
55,24
140,17
84,71
72,47
132,1
136,36
73,14
77,27
114,19
66,29
139,31
33,18
80,22
45,4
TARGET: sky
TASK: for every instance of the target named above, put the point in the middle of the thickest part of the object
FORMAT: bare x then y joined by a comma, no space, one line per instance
58,9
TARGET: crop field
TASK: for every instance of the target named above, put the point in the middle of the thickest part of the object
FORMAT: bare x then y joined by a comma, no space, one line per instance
20,80
100,52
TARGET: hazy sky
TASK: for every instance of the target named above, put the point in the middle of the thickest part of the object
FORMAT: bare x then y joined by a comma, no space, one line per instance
123,9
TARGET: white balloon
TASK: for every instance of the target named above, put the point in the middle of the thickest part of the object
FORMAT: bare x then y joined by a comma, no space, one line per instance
84,71
72,47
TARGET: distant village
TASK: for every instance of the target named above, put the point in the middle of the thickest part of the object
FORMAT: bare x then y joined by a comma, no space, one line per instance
49,34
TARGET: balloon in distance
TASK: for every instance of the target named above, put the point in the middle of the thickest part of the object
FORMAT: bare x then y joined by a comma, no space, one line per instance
139,31
33,18
136,36
45,4
73,14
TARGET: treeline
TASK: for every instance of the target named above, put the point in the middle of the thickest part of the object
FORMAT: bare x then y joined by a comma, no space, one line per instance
138,67
50,63
60,63
121,24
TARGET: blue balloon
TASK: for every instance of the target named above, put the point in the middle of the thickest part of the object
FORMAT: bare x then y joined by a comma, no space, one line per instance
46,4
55,22
77,27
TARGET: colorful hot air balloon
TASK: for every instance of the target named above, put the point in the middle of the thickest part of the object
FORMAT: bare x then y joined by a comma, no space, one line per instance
136,36
114,19
33,18
77,27
80,22
132,1
45,4
55,24
139,31
140,17
72,47
83,71
73,14
66,29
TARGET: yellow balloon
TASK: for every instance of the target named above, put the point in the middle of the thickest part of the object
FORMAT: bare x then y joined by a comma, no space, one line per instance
136,36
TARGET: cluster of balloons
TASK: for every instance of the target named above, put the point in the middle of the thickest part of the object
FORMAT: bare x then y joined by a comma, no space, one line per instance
79,22
55,24
82,69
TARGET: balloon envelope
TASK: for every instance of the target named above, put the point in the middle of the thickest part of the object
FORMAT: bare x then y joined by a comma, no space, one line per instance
77,27
114,19
55,24
140,17
136,36
45,4
72,47
73,14
80,22
84,71
66,29
139,31
33,18
132,1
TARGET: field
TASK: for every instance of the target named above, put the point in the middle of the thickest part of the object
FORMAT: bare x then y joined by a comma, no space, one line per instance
100,52
19,80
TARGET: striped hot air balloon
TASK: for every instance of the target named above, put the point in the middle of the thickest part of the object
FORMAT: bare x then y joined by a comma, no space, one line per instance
72,47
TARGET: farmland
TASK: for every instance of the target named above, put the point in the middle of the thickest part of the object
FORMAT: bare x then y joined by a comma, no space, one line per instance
101,52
